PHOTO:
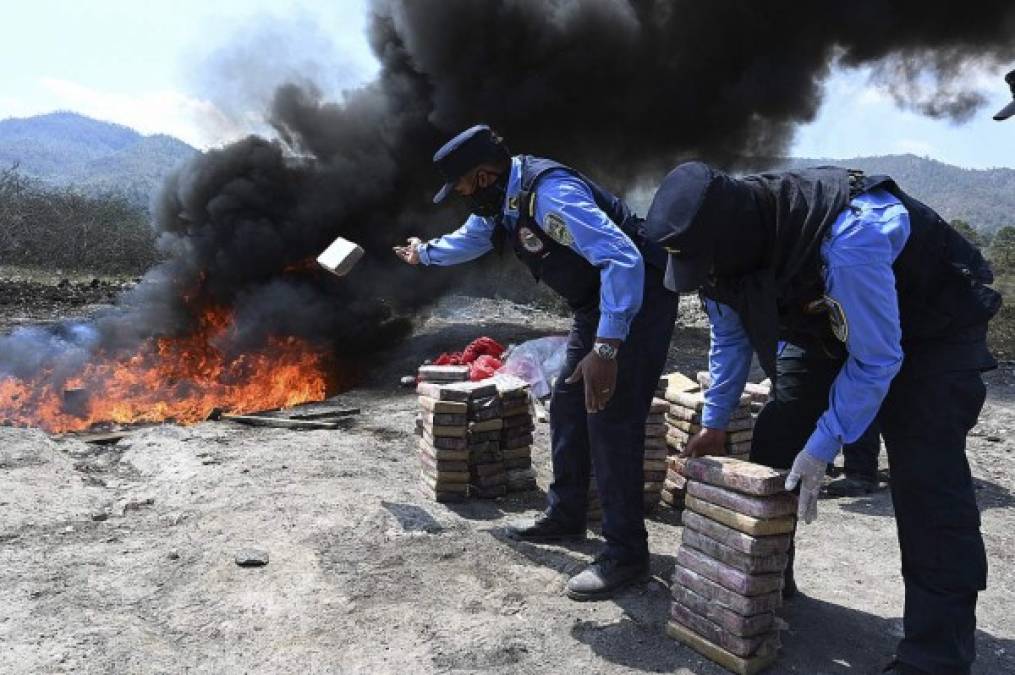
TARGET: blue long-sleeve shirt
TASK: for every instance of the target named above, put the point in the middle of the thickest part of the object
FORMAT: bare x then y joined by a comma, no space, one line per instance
858,254
593,236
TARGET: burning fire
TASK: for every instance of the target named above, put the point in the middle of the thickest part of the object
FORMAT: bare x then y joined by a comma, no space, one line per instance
179,378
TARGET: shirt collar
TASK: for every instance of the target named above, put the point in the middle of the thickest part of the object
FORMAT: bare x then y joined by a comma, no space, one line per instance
514,187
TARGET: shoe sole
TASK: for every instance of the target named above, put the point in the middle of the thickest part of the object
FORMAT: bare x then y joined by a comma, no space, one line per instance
607,594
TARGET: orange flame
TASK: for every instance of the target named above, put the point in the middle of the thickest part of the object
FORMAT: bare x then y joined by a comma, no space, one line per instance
178,378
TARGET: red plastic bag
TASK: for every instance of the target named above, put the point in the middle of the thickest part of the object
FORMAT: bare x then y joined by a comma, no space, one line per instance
483,367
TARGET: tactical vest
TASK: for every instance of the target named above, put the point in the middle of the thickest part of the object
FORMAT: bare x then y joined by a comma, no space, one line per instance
559,266
941,279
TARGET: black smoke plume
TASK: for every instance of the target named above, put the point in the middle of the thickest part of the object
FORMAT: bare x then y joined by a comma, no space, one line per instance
620,90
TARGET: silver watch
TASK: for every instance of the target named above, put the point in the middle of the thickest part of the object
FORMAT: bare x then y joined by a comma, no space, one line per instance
605,351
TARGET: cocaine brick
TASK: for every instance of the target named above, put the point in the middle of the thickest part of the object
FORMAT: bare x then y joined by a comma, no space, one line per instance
711,631
443,419
438,485
737,475
757,527
489,469
766,564
654,479
495,424
444,431
731,578
434,405
654,464
515,421
784,504
656,442
756,546
675,483
656,454
493,456
727,619
723,597
658,406
512,408
445,442
517,463
516,453
474,390
441,392
457,454
426,457
443,373
739,665
475,436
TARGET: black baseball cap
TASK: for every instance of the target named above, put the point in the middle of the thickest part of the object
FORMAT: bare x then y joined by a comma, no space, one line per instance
1009,109
673,223
464,152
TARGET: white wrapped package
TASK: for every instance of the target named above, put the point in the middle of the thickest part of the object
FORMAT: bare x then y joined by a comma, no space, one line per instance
340,257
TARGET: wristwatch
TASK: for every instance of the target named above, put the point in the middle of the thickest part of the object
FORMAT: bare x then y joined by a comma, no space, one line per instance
605,351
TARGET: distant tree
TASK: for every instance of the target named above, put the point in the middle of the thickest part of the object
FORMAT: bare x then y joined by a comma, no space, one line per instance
974,237
1002,249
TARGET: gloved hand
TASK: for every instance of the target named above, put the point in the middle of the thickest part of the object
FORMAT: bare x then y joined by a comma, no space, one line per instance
808,471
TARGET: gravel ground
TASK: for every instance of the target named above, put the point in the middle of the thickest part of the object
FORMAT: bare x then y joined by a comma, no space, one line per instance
119,559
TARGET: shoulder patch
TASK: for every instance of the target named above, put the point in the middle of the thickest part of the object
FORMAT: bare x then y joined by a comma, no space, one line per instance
553,225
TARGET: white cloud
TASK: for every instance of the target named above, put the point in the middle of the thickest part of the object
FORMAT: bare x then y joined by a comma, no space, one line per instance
196,121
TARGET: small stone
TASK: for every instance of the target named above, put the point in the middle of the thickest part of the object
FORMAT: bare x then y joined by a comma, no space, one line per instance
100,516
251,557
175,555
993,439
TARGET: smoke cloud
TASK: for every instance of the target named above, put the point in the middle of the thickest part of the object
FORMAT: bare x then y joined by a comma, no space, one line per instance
620,90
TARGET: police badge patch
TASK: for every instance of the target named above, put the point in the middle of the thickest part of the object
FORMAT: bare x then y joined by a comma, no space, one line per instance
837,319
530,241
554,226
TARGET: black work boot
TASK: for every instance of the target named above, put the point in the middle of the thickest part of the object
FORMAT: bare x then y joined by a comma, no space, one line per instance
789,588
546,528
851,485
604,577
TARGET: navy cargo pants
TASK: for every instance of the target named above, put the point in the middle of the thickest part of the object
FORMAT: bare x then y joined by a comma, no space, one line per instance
924,421
613,440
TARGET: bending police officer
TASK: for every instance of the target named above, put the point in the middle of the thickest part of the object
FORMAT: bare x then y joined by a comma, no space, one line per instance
588,246
833,264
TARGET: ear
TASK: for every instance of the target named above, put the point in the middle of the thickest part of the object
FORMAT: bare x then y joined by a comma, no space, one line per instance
485,178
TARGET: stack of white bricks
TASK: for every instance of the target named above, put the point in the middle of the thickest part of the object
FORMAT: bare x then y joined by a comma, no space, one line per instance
728,578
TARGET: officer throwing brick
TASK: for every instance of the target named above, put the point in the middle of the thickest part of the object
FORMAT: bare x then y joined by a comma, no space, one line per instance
589,247
827,264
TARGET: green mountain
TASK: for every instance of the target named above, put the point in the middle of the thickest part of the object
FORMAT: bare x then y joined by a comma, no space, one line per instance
68,149
985,198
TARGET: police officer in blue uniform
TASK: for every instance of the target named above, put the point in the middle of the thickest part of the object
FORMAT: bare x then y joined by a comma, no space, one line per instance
800,268
589,247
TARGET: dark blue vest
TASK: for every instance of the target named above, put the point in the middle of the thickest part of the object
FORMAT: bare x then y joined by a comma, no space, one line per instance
557,265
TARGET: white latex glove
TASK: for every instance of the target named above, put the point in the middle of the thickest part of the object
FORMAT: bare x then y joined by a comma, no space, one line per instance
808,471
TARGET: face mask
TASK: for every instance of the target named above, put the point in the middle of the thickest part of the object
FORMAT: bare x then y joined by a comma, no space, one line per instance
488,201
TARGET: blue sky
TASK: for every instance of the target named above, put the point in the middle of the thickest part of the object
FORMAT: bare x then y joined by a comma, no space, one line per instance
179,68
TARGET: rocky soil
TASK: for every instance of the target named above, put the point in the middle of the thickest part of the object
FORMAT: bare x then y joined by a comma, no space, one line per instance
120,558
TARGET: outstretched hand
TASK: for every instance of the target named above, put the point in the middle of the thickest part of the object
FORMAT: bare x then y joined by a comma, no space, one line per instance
410,252
600,378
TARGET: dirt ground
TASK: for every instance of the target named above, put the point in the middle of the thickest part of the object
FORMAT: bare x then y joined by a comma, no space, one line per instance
120,559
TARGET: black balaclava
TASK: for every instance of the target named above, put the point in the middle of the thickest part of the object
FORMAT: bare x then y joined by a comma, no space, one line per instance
488,201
